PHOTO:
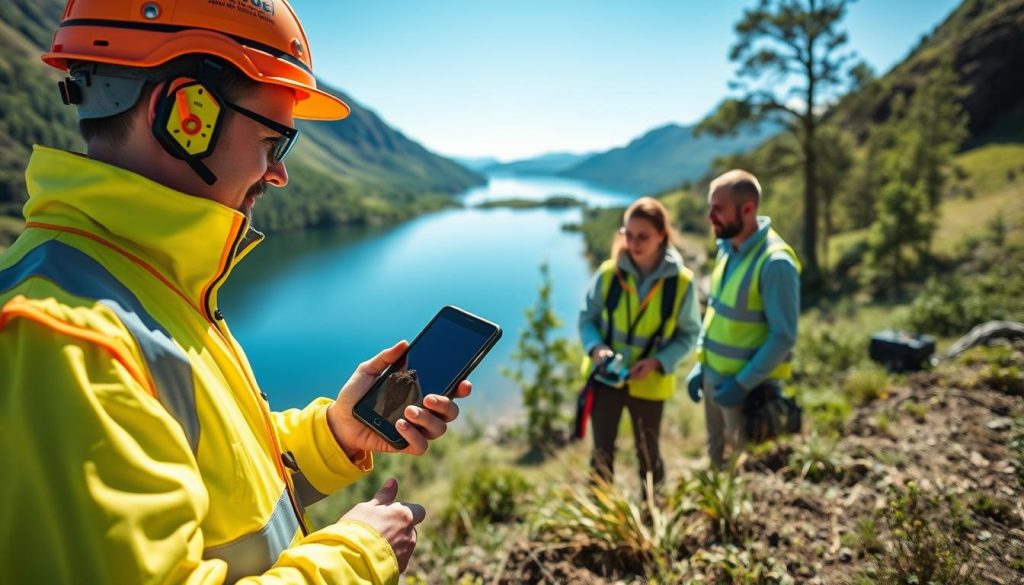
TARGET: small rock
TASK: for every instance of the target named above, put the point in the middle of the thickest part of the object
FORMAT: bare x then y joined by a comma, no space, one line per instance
1000,424
984,535
977,460
845,555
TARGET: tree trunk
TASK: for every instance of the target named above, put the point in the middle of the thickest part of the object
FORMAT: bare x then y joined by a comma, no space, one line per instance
810,236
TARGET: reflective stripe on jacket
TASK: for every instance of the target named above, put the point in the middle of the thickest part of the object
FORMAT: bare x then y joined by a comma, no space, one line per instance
630,334
735,326
139,447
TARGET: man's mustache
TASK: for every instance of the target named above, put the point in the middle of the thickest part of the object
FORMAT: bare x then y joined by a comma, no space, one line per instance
256,190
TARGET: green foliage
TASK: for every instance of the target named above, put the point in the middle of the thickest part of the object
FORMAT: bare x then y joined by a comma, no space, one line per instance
723,499
833,163
917,410
864,536
917,148
989,286
603,517
926,545
825,407
866,384
815,458
787,51
823,351
1008,379
547,369
734,566
993,506
599,228
487,495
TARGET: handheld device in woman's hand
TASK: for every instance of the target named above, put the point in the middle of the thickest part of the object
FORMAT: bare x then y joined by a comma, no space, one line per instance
440,357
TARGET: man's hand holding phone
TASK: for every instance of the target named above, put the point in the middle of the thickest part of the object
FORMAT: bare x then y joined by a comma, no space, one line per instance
419,425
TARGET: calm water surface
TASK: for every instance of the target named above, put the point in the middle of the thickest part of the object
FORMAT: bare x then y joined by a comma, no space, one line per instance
308,307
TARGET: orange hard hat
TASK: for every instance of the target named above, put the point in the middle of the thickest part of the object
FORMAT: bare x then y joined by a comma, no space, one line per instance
263,38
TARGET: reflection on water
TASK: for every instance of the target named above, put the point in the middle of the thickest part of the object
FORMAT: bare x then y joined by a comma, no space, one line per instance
309,306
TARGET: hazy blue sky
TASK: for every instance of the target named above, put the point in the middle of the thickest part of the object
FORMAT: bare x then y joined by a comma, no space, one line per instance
518,78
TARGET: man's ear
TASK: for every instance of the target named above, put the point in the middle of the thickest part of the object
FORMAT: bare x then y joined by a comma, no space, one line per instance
153,100
749,208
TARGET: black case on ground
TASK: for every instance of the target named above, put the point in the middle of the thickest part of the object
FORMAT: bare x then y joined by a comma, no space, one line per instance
901,352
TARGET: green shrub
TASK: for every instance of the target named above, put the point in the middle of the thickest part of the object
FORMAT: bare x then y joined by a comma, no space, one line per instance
815,458
547,370
992,506
926,543
866,384
724,500
605,518
730,564
825,407
952,304
488,495
864,536
1008,379
822,351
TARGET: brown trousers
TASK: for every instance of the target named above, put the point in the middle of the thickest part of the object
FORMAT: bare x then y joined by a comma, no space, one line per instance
646,419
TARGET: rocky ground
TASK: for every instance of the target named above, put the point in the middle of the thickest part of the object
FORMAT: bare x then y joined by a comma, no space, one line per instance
928,477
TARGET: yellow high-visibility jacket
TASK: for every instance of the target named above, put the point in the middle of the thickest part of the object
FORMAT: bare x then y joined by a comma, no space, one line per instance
137,445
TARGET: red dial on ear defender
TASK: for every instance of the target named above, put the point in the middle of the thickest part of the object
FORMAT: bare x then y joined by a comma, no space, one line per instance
187,123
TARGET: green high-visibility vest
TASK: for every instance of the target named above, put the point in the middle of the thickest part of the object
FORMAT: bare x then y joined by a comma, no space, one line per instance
631,334
735,326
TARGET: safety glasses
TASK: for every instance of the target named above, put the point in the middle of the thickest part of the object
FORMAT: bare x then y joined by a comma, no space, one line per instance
283,144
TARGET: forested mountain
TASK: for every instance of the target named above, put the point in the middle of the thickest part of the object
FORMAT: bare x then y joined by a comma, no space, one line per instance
664,158
357,170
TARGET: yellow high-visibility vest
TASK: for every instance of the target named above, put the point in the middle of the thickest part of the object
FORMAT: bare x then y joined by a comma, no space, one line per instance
735,326
630,334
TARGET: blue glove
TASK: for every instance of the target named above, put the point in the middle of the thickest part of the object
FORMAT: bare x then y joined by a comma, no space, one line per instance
694,382
729,393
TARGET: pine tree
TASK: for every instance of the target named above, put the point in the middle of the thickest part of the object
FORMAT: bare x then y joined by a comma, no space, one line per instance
547,369
791,60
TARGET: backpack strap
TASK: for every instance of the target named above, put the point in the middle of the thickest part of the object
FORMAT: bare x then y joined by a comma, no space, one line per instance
668,302
611,301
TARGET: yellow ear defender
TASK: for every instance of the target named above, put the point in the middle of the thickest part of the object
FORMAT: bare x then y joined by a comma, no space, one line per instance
187,123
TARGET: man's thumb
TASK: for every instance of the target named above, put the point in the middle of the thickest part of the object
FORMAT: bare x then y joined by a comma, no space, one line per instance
387,493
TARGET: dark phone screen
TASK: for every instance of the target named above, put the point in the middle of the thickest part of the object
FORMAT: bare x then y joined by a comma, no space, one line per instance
432,363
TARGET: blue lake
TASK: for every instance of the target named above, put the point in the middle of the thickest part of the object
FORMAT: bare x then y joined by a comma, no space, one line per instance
309,306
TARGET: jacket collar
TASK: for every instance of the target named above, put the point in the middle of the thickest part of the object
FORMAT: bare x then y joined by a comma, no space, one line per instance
192,242
669,265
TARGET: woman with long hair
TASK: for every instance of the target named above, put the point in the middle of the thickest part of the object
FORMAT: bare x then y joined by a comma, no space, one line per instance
639,319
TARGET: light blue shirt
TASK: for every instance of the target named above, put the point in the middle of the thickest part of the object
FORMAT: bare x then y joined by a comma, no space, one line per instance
671,350
780,294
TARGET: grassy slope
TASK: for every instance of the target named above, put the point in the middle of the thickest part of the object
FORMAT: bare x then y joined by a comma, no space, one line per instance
994,173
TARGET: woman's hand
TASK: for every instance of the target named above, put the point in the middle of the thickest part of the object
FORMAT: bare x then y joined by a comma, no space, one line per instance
600,353
642,368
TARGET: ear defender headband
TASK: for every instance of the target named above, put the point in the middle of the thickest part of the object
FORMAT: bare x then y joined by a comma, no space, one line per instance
187,123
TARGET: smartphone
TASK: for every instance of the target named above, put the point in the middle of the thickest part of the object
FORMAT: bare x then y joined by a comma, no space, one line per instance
440,357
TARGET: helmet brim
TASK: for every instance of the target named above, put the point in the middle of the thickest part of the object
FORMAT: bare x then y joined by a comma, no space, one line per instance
151,50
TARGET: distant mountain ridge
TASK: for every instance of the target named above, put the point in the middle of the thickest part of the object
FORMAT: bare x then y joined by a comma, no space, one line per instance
476,163
358,170
664,158
546,164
